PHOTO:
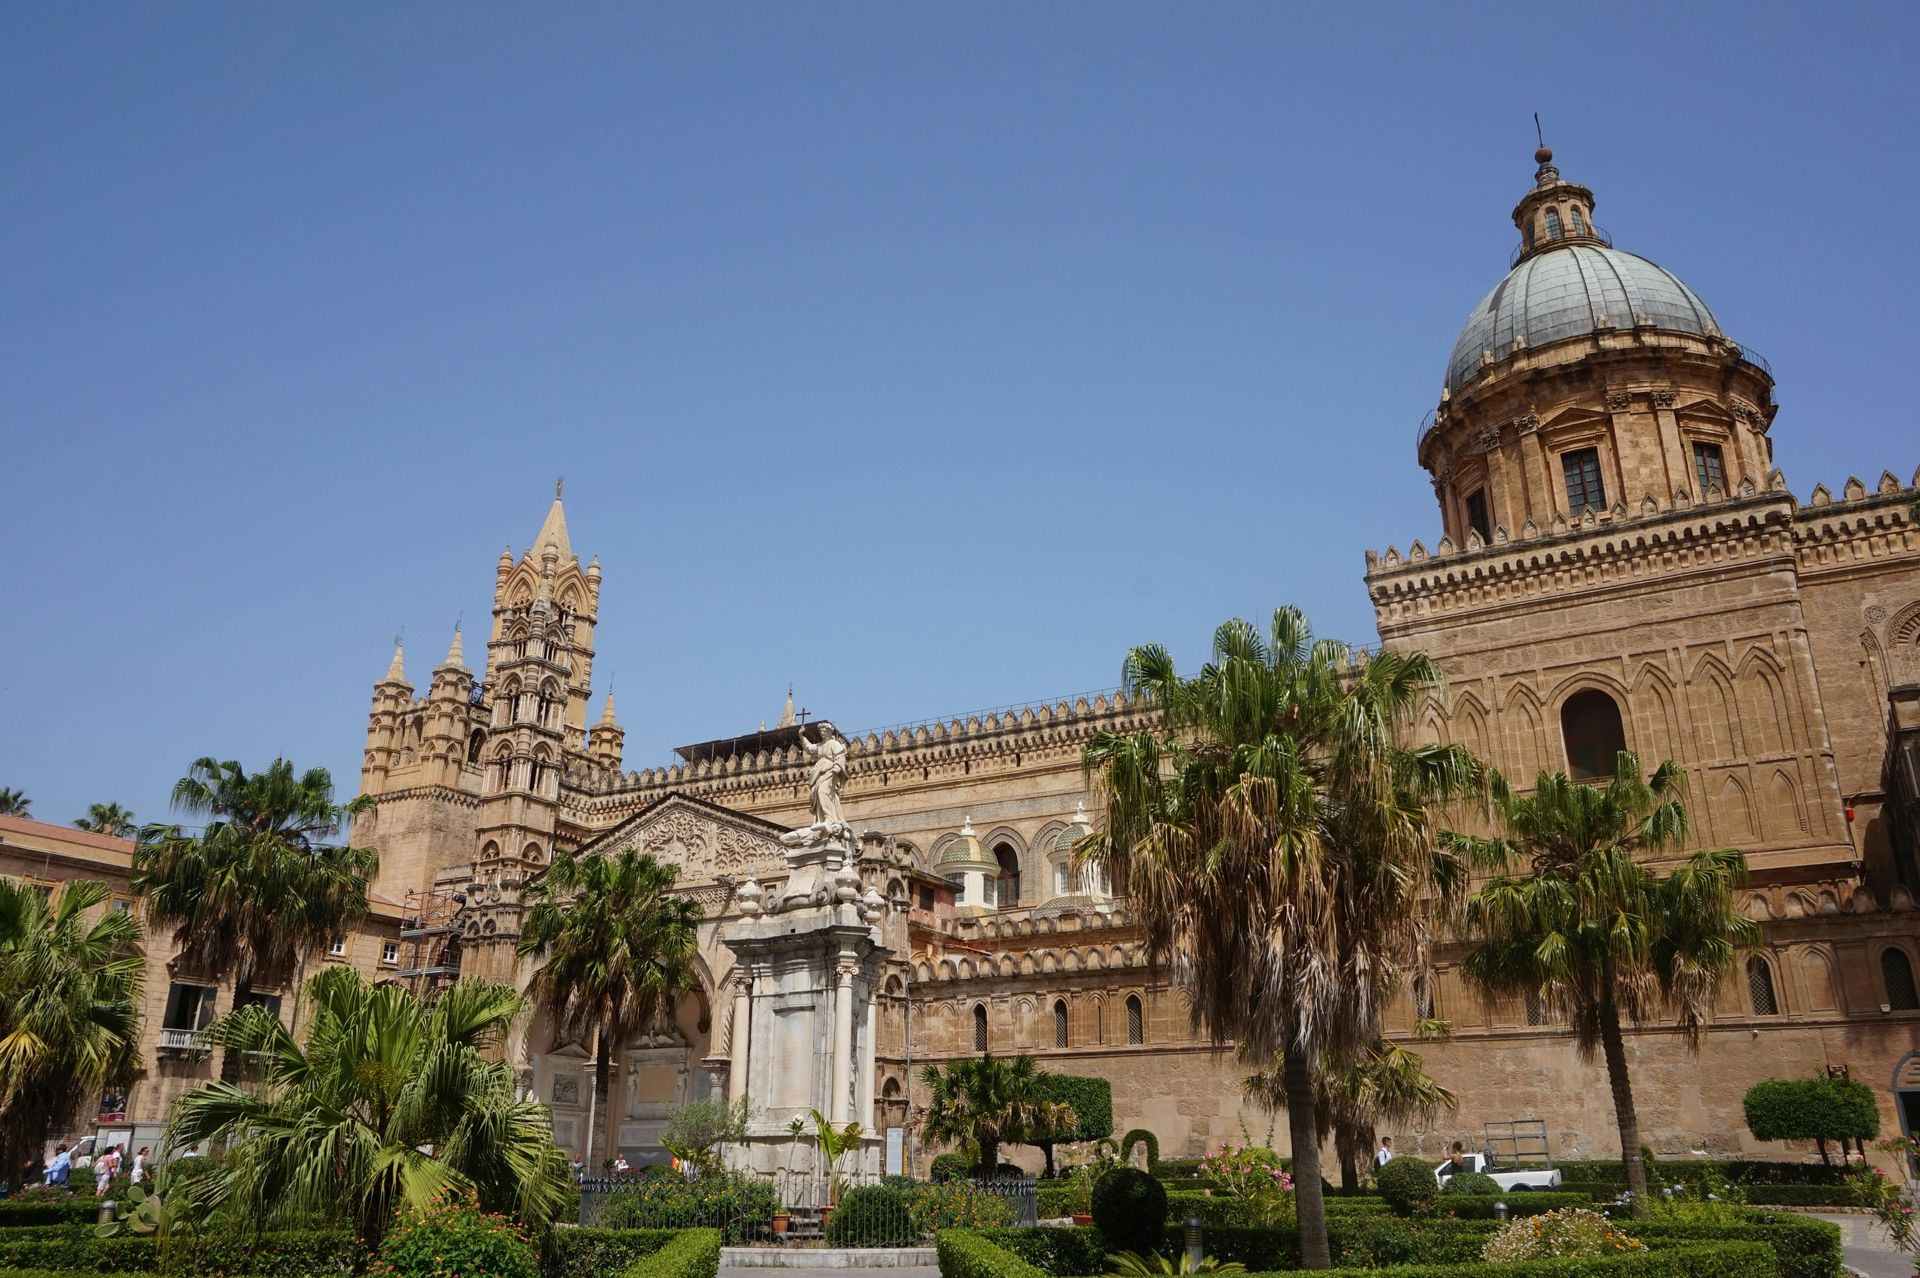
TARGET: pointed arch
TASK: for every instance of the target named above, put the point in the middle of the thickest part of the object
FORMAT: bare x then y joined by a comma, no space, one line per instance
1764,705
1655,715
1732,812
1470,724
1433,725
1526,738
1784,815
1716,717
1817,981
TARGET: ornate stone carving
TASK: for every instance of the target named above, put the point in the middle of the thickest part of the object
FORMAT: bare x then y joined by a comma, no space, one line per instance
1617,400
1874,614
1486,439
1665,398
706,848
1527,423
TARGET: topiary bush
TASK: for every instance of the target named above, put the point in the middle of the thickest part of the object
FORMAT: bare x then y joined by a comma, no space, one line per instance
1407,1184
951,1167
1141,1135
872,1216
1470,1182
694,1253
455,1239
1129,1210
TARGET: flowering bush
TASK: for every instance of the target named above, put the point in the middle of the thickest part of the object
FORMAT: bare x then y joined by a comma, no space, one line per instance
956,1205
455,1239
1252,1173
1569,1232
1880,1194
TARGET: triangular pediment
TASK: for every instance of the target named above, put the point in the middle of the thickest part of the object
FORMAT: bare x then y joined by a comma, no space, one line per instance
704,839
1706,410
1576,417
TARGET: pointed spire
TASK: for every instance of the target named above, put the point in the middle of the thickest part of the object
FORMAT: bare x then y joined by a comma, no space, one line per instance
455,657
606,715
787,719
553,532
396,673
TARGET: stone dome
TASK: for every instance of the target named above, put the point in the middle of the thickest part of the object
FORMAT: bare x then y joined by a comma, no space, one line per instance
1570,291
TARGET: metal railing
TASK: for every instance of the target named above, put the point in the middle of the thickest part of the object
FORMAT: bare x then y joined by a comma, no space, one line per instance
805,1210
185,1040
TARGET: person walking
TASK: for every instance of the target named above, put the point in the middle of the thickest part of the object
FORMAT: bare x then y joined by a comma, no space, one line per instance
60,1168
139,1172
1384,1154
103,1169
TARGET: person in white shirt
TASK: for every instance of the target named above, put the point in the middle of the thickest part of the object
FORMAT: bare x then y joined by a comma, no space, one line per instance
1385,1153
103,1168
139,1172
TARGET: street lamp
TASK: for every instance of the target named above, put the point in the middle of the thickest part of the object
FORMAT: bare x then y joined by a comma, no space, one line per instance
1500,1211
1196,1241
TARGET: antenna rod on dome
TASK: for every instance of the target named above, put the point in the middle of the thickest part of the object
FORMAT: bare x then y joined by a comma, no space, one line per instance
1538,135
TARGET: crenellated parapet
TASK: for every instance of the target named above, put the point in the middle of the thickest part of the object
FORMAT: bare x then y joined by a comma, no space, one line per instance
1859,529
924,750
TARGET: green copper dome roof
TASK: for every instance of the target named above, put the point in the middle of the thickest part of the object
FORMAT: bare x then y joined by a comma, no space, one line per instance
965,853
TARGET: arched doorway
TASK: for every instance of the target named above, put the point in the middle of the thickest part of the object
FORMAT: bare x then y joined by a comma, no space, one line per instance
1906,1099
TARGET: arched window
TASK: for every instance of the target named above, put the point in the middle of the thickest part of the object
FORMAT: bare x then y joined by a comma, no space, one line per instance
1422,1000
1060,1023
1553,224
1590,723
474,744
1760,987
979,1027
1579,222
1896,969
1007,884
1536,1008
1136,1020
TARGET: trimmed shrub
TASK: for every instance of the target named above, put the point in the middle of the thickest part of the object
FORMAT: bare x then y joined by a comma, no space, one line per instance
283,1254
1803,1248
1464,1206
53,1208
694,1253
951,1167
1141,1135
1470,1182
1212,1209
964,1253
1129,1210
596,1252
872,1216
1092,1101
738,1204
455,1240
1079,1250
1802,1195
1407,1184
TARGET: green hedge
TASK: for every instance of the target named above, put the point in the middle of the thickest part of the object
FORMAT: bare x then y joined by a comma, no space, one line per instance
283,1254
966,1253
78,1210
1092,1101
1819,1108
1212,1209
1755,1171
1145,1137
1804,1248
694,1253
1802,1195
601,1253
1056,1200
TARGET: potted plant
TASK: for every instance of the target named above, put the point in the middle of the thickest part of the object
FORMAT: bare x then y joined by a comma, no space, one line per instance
833,1145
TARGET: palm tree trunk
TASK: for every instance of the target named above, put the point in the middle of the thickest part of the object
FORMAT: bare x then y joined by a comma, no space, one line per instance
602,1071
989,1158
1623,1111
1308,1198
1047,1150
1343,1143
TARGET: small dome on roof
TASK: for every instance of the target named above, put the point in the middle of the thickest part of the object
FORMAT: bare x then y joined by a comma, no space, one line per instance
965,853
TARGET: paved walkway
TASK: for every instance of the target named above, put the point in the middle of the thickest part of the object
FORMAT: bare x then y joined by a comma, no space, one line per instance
1868,1251
739,1271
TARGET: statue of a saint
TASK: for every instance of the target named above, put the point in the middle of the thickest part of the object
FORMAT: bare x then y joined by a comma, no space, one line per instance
826,779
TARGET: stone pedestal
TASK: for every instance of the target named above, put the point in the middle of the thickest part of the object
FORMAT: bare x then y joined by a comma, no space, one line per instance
811,958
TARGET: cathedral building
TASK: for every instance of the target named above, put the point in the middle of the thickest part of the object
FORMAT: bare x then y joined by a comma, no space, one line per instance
1619,565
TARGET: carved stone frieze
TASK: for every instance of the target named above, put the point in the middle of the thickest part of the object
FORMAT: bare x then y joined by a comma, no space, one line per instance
1665,398
1617,400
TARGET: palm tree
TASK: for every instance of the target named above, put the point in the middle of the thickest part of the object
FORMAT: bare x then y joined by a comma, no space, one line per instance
260,888
14,803
69,1008
1594,931
390,1102
107,818
1386,1084
1277,847
616,947
989,1100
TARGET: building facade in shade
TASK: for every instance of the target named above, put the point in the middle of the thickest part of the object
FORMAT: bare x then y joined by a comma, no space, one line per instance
1619,565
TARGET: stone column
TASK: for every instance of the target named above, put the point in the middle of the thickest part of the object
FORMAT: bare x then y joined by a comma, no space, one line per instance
742,1023
865,1081
842,1043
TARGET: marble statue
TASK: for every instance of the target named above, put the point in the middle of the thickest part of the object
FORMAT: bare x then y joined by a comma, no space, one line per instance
824,783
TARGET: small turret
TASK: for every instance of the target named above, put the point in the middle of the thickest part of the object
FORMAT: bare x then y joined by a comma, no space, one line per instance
392,697
606,740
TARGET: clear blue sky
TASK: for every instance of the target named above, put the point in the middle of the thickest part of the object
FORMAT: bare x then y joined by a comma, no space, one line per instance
1029,331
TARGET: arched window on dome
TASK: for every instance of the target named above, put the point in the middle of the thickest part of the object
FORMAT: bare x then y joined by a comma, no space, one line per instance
1553,224
1591,727
1579,221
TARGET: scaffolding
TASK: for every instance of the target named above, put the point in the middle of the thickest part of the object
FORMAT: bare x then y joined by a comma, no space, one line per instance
430,933
1519,1142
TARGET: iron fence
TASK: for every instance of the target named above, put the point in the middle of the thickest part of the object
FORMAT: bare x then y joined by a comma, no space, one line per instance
802,1209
